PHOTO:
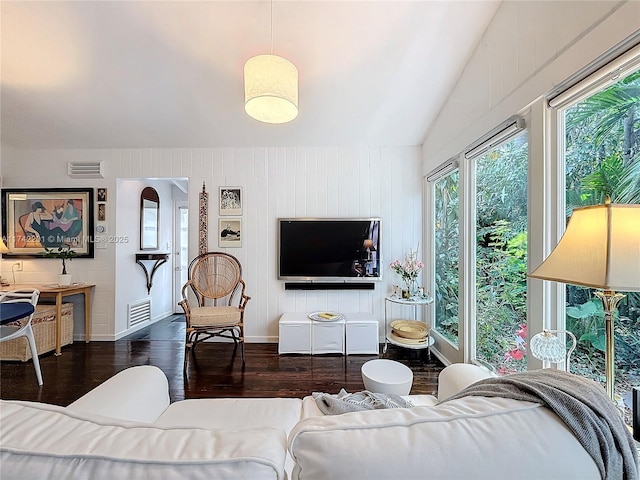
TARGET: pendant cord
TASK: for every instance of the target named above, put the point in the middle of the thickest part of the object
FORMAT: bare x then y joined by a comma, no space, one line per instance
271,8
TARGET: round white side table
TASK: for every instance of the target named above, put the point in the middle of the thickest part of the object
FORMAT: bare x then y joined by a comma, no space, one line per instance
387,376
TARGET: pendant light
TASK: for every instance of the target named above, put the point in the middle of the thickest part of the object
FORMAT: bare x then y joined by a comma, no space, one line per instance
271,87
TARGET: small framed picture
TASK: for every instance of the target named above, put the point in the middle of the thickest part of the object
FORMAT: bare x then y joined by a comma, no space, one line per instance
102,194
231,201
102,212
230,232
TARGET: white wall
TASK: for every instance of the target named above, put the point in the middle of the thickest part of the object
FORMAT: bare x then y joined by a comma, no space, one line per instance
131,281
277,182
528,48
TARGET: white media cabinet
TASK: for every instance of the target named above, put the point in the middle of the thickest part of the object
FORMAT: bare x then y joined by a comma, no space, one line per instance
357,333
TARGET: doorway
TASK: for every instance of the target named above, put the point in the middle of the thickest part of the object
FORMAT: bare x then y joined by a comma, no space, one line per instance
180,251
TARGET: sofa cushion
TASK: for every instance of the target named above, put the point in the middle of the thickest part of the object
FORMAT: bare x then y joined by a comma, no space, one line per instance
46,441
495,438
233,413
138,394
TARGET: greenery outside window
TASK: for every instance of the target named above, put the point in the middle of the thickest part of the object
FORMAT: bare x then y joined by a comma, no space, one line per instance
501,256
602,157
447,247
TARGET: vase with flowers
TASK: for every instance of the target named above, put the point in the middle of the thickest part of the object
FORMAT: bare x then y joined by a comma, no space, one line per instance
409,271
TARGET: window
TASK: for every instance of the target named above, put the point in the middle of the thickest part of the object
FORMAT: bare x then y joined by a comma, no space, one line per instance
501,256
602,157
446,248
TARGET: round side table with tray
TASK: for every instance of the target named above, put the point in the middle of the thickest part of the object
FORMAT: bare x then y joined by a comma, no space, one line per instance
406,341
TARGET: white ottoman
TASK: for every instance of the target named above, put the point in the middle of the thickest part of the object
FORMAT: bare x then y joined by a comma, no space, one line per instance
387,376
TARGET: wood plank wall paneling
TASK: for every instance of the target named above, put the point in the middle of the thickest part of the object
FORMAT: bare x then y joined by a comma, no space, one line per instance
277,182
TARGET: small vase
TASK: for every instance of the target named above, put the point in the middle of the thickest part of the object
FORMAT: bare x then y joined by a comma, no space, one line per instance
64,280
411,289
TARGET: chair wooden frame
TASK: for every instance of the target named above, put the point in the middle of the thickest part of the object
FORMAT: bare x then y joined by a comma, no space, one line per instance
10,332
214,277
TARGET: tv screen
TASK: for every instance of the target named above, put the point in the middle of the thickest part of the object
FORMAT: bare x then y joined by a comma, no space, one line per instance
329,249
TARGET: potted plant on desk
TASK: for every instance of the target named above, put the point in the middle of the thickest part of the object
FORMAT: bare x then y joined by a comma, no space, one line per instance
64,253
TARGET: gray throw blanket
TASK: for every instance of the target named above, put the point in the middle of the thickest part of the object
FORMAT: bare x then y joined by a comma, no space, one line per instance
583,406
345,402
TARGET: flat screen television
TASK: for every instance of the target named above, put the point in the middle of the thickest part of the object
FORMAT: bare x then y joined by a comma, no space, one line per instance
329,249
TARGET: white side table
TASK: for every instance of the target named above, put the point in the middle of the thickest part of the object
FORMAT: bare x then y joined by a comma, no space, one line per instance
362,334
387,376
415,303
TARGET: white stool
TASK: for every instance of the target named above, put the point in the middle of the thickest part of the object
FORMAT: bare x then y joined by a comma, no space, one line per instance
387,376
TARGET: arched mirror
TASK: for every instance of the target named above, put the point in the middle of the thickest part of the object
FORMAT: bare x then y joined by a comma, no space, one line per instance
149,219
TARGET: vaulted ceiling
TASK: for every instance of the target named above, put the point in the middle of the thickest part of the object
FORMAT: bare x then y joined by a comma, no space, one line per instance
119,74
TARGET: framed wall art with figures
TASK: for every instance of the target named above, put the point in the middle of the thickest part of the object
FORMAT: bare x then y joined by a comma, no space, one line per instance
39,218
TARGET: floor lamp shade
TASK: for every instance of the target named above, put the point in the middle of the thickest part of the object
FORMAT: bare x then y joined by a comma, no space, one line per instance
600,249
271,89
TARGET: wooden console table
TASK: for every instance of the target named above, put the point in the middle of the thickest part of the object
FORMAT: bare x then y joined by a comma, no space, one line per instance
58,292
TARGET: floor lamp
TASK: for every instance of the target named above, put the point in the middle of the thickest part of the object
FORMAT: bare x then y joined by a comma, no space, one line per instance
600,249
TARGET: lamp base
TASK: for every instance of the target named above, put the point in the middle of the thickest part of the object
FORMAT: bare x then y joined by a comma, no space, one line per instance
609,300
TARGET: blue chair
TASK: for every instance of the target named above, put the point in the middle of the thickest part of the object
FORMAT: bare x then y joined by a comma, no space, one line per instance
9,332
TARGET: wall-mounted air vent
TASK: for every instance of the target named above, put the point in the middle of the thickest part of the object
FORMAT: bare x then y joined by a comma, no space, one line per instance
85,169
138,312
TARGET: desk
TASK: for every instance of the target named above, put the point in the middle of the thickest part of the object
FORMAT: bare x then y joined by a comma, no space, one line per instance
57,292
414,302
10,312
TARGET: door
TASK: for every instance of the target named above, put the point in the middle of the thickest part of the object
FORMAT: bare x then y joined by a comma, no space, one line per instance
181,251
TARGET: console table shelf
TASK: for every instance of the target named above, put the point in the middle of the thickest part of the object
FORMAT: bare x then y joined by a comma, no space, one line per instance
157,258
356,333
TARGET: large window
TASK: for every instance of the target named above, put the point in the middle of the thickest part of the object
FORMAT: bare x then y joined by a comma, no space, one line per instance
505,212
447,244
602,158
501,256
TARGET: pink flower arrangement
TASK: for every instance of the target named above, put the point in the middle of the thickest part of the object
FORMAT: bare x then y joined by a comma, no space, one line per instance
410,269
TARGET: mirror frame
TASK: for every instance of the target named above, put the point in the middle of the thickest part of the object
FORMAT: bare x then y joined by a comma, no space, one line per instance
149,195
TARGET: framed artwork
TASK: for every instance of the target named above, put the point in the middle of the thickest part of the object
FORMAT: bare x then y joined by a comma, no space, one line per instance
33,219
231,201
102,212
229,232
102,194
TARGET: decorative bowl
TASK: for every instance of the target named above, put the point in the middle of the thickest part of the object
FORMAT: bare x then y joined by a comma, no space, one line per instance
412,329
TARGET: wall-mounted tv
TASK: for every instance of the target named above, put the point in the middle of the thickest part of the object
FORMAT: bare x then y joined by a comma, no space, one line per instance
329,249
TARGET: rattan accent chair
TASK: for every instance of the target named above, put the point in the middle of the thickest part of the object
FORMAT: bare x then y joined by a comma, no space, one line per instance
215,280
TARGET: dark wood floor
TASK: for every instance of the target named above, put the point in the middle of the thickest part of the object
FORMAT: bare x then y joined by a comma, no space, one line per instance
215,372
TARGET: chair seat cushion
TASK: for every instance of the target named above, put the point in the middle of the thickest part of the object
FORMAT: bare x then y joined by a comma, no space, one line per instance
224,315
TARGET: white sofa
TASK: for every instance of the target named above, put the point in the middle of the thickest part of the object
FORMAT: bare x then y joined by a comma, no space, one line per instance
126,428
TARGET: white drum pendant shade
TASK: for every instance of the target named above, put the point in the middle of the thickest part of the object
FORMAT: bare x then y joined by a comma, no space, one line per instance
271,89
